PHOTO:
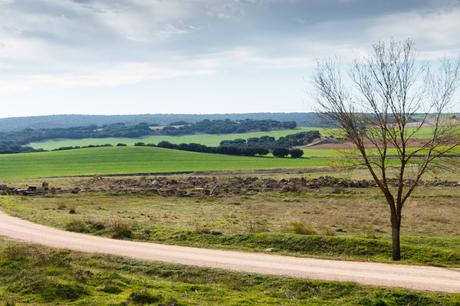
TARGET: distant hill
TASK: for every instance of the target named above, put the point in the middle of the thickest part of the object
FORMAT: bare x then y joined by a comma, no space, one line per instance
66,121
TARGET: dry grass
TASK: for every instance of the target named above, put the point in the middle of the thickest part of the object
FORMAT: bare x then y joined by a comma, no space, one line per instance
432,212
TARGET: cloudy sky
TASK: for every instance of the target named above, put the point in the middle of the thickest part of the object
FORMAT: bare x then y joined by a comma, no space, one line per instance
195,56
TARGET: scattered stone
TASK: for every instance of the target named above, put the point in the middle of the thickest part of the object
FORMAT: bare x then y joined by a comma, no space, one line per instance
205,186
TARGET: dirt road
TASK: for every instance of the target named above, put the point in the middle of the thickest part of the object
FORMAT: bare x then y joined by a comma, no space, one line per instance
411,277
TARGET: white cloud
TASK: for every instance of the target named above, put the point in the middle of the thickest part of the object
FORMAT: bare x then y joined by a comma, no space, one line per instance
436,32
121,74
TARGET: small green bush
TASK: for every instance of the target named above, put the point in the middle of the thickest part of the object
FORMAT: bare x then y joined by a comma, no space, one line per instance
77,226
144,297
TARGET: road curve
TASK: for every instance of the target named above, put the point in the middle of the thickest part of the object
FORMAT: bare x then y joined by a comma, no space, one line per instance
388,275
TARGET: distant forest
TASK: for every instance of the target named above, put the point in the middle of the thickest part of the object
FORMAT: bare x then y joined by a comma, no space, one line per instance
68,121
15,141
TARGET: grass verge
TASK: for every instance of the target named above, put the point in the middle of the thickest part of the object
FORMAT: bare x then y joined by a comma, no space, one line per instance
31,275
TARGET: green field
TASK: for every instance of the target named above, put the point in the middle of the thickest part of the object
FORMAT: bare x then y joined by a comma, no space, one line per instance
125,160
205,139
144,160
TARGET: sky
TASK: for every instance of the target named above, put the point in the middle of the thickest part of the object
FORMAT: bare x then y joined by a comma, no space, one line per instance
196,56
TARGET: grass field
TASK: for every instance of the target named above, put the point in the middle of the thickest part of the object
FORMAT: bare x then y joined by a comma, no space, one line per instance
316,223
125,160
141,160
41,276
205,139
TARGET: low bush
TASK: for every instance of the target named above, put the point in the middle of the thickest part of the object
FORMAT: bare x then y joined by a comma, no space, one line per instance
80,226
77,226
144,297
120,230
301,228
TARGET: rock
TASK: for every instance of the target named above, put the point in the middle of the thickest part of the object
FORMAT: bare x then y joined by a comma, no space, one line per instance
75,190
45,186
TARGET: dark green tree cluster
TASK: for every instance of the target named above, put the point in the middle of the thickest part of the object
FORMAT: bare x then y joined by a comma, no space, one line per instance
270,143
195,147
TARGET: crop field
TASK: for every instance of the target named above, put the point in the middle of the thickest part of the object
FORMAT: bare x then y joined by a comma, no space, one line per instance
125,160
142,160
205,139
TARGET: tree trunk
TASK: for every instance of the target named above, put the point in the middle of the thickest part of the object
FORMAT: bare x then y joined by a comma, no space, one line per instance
395,233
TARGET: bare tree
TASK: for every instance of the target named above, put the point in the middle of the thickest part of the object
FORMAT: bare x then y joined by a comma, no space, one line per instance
376,103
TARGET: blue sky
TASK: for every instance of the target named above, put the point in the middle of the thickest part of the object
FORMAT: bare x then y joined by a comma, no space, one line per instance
196,56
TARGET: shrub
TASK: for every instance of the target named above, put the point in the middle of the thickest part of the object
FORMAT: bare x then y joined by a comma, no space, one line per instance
301,228
122,145
120,230
111,287
80,226
9,301
144,297
96,225
77,226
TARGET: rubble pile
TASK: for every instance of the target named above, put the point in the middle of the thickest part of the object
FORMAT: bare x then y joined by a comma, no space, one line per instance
44,189
207,186
213,186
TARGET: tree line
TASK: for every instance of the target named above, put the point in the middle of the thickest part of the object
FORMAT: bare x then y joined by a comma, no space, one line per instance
232,150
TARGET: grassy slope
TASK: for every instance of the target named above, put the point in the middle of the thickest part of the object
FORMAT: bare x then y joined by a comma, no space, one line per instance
206,139
123,160
32,274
